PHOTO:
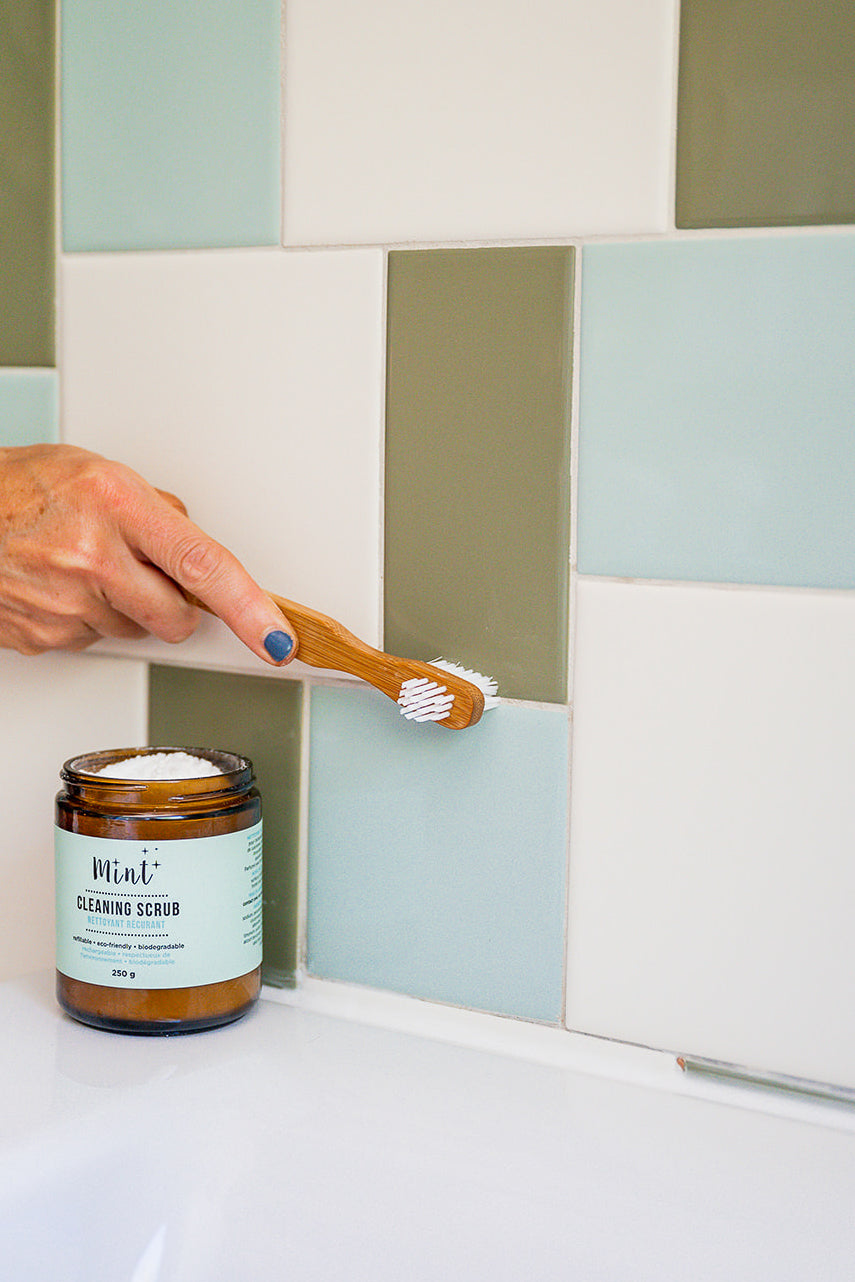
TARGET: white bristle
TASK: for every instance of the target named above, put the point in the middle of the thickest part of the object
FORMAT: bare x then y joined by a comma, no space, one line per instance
420,699
486,685
423,700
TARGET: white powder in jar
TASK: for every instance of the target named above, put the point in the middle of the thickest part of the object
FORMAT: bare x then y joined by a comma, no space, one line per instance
160,765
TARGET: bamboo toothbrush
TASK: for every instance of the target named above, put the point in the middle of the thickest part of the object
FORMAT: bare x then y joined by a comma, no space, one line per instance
439,691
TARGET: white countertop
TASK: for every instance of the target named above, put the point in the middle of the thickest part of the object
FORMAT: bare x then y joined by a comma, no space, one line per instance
293,1144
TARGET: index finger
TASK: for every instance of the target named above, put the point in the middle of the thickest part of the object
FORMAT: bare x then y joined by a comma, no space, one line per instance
206,570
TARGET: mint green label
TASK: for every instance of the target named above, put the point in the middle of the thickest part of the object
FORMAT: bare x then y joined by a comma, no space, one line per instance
167,914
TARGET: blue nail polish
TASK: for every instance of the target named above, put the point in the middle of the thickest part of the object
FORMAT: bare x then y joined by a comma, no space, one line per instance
278,645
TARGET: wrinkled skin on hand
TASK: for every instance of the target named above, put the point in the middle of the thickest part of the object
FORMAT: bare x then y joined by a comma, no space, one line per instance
89,549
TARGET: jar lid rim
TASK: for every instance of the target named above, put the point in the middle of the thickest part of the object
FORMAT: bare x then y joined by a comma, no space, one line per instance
84,768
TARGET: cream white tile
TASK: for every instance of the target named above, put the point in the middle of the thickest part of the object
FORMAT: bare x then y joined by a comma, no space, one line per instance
713,824
53,707
460,120
249,383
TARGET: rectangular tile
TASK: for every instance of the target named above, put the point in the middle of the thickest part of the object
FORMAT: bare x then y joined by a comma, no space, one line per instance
717,394
712,830
29,410
437,857
261,719
53,707
27,94
477,462
249,383
170,124
406,121
766,117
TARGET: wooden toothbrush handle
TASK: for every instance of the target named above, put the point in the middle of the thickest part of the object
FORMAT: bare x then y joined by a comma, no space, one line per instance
323,642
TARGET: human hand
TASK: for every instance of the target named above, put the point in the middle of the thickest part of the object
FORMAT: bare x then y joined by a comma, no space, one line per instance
88,549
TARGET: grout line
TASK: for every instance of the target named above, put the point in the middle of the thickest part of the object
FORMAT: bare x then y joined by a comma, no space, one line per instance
345,682
381,460
575,370
717,586
673,131
282,76
575,405
575,240
59,329
579,238
718,233
303,827
568,832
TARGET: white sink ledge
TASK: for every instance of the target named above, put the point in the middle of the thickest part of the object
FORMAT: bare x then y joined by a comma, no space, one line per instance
297,1144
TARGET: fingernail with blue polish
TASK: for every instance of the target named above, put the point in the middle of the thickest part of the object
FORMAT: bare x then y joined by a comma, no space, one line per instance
278,645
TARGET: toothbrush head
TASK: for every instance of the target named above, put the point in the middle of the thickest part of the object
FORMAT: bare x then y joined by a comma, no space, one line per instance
424,699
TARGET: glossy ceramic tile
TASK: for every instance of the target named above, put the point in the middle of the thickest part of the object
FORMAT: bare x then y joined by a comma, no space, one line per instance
249,384
712,829
170,124
458,121
766,113
260,718
26,189
28,406
717,399
51,708
477,462
437,857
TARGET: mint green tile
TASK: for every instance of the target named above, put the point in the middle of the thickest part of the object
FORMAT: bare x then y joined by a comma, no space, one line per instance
437,857
477,462
170,124
29,412
766,116
26,182
261,718
717,403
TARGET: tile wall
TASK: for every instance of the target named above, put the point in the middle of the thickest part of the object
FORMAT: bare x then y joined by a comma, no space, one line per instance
27,96
522,334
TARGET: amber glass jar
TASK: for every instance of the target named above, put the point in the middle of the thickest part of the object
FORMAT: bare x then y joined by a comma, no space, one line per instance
158,894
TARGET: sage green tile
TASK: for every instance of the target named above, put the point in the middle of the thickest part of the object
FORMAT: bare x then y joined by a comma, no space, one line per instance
477,462
766,116
261,718
27,31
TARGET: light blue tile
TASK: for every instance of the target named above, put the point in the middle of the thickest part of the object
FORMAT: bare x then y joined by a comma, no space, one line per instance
170,124
28,406
717,412
437,857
